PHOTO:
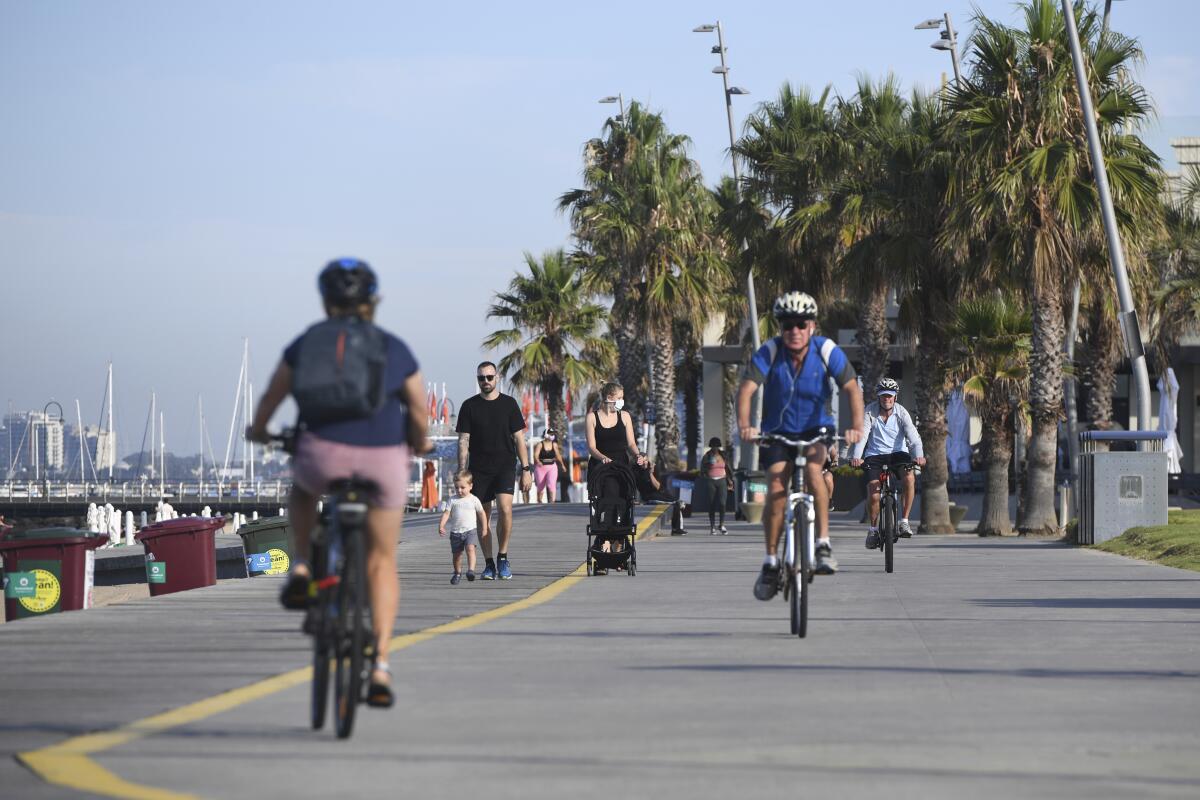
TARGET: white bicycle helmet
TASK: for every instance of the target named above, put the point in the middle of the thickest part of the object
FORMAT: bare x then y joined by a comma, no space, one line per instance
887,386
794,304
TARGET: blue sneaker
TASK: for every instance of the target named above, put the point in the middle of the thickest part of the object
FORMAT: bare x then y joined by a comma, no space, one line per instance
454,579
489,573
503,570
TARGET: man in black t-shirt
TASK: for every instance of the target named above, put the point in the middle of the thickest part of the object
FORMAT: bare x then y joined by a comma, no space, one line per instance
491,437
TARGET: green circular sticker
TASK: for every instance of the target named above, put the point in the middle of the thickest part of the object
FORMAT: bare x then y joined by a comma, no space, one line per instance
279,561
47,594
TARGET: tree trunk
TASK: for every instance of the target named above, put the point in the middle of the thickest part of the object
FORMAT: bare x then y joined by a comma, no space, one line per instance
1099,369
552,390
729,386
997,448
1046,405
631,351
691,372
666,424
873,336
929,388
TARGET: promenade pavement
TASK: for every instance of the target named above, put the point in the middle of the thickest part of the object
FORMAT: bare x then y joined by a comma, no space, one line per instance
981,667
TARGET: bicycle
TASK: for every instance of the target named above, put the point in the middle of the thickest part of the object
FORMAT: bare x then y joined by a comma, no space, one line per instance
889,496
798,576
336,617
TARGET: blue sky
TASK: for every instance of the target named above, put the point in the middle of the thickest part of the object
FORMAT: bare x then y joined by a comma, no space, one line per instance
175,174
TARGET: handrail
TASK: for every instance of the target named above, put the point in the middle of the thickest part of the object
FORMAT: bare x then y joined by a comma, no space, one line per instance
1121,436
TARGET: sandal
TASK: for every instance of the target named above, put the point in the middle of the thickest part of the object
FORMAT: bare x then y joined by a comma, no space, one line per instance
295,592
379,695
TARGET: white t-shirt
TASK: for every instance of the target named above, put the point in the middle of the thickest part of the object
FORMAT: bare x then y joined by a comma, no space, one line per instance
463,513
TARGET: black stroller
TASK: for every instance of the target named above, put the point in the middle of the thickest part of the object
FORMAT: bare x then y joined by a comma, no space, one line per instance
611,490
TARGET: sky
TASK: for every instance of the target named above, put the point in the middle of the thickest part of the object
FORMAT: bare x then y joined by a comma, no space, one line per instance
174,175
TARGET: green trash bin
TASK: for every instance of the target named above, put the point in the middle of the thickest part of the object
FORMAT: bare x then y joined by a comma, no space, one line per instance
270,545
47,570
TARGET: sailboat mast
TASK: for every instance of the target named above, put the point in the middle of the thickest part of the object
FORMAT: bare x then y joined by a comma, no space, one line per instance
200,403
153,430
79,423
250,418
110,444
237,402
162,455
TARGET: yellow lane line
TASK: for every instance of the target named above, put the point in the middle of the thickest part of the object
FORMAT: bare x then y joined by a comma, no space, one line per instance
69,764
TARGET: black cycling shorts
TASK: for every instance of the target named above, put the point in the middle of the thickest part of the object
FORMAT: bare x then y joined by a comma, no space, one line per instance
875,464
493,479
774,452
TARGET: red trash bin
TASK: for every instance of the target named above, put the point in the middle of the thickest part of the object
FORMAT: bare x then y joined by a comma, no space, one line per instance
181,553
47,570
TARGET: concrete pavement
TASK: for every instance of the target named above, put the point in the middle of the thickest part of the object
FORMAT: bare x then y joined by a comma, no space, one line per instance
984,667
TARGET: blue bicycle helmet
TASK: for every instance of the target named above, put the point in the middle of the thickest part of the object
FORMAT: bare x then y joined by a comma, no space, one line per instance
347,282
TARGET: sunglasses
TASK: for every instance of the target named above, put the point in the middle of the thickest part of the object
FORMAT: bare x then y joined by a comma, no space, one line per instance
485,378
788,324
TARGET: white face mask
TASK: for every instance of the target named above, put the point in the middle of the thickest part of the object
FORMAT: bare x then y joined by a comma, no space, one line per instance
618,404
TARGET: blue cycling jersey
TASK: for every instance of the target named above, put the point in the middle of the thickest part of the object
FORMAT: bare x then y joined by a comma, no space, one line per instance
795,401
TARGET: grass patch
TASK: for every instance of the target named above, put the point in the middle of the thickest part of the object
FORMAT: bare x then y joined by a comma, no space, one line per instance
1176,544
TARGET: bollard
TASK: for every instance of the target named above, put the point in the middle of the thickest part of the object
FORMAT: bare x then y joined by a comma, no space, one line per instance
1064,505
130,530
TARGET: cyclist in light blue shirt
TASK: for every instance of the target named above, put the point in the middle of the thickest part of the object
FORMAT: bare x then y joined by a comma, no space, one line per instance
889,437
796,370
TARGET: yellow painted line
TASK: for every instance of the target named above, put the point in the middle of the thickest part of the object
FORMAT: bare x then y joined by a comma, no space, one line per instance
69,763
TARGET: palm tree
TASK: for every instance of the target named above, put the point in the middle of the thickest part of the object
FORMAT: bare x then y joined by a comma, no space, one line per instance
870,125
1026,188
555,329
991,339
643,224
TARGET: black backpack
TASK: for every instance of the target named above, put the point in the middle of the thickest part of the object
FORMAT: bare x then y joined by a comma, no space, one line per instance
339,371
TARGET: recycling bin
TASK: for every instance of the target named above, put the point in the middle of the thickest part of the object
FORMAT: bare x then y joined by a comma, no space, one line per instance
270,545
181,553
47,570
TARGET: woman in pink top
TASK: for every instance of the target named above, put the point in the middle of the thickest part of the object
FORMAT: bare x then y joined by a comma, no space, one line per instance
713,469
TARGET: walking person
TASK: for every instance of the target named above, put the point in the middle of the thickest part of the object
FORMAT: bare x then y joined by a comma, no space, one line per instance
491,439
465,517
720,481
335,444
546,470
609,431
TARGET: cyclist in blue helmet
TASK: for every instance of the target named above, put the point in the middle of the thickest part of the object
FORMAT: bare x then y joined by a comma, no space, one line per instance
375,447
796,369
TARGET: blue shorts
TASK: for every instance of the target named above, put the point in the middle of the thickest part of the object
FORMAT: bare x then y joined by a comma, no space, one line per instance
775,452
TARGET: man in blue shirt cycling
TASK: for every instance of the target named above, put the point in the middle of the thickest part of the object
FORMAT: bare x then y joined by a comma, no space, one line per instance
796,369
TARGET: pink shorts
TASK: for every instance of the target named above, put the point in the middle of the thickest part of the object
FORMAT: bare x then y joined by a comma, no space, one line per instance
545,476
318,462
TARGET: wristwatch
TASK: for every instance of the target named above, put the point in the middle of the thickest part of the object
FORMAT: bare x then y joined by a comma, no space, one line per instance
527,468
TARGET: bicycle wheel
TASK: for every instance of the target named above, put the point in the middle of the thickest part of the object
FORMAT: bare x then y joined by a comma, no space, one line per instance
321,649
800,582
350,636
887,530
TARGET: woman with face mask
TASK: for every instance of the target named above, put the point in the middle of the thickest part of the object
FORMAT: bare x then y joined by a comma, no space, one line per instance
547,460
610,429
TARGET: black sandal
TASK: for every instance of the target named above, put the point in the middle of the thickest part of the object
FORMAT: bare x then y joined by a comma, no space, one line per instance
294,594
379,695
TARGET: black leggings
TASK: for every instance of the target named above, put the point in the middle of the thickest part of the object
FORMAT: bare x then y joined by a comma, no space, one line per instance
716,500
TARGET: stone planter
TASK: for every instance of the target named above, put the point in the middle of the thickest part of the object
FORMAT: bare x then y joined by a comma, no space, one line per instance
752,511
848,492
956,515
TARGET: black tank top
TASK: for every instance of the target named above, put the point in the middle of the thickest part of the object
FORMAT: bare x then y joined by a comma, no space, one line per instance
546,456
612,441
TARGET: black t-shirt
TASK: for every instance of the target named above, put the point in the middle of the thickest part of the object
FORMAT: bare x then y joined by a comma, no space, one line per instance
491,424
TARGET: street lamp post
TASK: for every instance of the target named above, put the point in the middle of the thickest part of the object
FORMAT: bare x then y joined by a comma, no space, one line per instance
1116,255
948,40
617,98
751,300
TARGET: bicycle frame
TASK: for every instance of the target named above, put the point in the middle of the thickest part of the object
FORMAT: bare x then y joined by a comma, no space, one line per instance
796,498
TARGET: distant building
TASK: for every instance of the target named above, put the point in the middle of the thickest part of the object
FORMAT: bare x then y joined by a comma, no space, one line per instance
33,445
1187,153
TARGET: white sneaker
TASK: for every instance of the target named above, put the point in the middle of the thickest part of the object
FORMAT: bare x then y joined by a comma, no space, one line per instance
903,529
712,531
724,531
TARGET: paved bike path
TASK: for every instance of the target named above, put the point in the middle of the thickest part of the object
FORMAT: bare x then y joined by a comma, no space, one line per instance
981,666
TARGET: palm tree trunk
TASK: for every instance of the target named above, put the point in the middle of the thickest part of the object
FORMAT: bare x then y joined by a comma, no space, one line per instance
1103,356
874,336
1046,403
552,389
997,447
666,430
691,371
631,352
931,424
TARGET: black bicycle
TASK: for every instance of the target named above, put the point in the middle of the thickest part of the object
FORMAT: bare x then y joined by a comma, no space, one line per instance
889,502
337,617
799,533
